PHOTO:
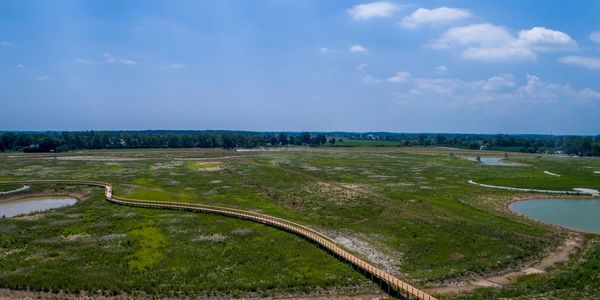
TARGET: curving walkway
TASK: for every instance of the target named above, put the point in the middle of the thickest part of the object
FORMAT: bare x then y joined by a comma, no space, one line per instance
23,188
392,282
577,191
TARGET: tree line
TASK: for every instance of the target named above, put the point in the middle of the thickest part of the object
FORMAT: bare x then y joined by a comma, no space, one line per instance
69,140
573,145
80,140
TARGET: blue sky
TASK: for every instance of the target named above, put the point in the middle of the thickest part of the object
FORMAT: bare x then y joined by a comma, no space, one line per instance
423,66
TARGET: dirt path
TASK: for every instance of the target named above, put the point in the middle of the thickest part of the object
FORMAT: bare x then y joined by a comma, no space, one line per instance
576,191
23,188
560,254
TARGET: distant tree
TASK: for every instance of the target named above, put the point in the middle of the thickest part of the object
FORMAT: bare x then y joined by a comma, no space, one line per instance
332,141
440,139
283,139
48,144
273,140
305,138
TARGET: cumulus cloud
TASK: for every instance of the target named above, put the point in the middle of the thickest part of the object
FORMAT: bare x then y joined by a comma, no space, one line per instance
487,42
484,35
539,91
110,59
357,49
380,9
492,54
399,77
595,37
436,16
495,83
441,69
544,39
504,88
582,61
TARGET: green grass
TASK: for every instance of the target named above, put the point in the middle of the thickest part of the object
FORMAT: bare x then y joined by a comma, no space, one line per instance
365,143
576,281
418,210
9,187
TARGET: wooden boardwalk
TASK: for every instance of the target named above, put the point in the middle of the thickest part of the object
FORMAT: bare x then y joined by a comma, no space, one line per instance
394,284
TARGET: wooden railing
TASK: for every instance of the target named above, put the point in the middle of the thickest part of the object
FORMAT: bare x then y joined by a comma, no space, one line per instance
396,284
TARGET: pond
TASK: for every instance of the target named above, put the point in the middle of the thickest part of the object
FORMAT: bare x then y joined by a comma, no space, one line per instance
494,161
577,214
31,205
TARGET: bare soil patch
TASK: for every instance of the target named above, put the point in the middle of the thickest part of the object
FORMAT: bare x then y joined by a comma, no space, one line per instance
559,255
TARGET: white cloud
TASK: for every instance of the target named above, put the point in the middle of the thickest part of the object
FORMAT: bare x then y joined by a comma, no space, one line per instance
20,66
404,97
357,49
127,61
484,35
491,54
325,50
362,67
436,16
544,39
380,9
110,59
487,42
437,85
43,77
368,79
582,61
595,37
176,66
441,69
84,61
504,88
399,77
536,90
495,83
8,44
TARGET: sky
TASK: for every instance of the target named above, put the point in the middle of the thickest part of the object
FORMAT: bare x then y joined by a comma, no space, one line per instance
294,65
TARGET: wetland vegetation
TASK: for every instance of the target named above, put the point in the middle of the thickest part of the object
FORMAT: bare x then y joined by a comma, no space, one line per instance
408,210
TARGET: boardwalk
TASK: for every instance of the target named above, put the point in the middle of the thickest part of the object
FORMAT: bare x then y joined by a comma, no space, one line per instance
394,284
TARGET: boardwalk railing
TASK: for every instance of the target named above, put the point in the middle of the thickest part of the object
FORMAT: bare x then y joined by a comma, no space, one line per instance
398,285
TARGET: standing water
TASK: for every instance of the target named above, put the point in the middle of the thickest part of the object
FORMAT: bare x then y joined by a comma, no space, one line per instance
577,214
31,205
493,161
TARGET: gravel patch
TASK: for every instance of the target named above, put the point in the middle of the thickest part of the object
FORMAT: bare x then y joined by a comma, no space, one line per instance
213,238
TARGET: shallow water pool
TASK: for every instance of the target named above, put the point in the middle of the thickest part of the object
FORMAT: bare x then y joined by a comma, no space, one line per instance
31,205
579,214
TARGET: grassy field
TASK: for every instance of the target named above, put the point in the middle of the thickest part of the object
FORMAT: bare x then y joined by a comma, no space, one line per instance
412,207
9,187
366,143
